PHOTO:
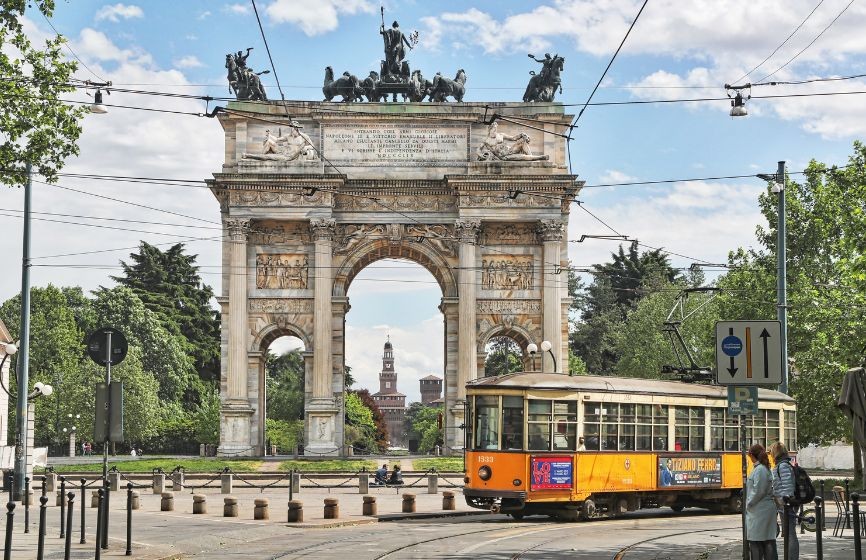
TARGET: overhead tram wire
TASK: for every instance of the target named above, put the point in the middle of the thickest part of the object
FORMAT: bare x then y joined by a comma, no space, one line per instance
829,25
69,47
788,38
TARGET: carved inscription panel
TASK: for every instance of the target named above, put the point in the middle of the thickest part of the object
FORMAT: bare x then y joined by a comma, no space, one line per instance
507,273
282,272
395,144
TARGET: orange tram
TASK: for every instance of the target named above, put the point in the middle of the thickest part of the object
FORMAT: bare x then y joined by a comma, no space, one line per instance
584,447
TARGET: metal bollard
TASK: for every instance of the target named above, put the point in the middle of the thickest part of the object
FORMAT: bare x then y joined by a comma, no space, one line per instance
226,483
129,504
25,499
433,483
363,483
105,507
261,510
847,504
43,511
83,539
296,511
408,503
10,520
158,483
369,507
100,496
448,502
855,514
823,497
69,511
230,506
819,526
62,499
199,504
166,503
332,508
786,524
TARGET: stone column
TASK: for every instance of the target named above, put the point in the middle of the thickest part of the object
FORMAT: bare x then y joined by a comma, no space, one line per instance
553,277
323,234
236,383
467,351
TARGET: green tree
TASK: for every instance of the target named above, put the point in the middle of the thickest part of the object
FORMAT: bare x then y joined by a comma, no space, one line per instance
168,283
503,356
360,426
56,350
423,422
206,418
36,127
285,386
163,354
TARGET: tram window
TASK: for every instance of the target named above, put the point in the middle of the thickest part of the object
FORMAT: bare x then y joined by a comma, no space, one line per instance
608,437
539,436
732,440
660,438
626,437
644,438
681,438
609,412
626,413
724,430
565,425
644,414
689,428
487,422
590,436
592,413
512,422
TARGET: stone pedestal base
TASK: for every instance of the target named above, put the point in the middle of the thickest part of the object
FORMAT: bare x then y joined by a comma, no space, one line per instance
236,439
322,428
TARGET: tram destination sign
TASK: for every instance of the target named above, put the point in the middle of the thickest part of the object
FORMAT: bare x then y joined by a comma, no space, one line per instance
551,473
679,471
748,353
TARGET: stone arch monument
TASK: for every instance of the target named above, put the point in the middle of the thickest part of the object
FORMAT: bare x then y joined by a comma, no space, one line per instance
308,201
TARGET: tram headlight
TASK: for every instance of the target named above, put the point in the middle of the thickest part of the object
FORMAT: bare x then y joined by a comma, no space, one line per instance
485,472
517,482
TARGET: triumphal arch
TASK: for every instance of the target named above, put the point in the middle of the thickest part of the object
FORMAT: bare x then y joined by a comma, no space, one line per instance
476,193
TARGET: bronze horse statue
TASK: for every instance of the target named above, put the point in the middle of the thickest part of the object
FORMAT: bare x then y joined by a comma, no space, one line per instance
542,87
443,87
346,86
420,88
245,83
370,85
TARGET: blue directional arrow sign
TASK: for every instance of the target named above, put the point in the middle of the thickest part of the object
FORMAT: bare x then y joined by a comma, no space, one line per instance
748,353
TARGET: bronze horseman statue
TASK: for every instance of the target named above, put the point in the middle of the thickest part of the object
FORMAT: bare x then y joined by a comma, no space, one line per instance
543,86
243,82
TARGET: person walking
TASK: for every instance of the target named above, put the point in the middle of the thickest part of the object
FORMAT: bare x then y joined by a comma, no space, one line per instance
783,487
760,507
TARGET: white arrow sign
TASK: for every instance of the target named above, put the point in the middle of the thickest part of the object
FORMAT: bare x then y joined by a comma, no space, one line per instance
748,353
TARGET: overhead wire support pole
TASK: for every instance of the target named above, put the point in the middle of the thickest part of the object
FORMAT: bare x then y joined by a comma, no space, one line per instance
24,347
782,280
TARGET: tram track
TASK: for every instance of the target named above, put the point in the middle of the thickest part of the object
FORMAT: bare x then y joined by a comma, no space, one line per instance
621,554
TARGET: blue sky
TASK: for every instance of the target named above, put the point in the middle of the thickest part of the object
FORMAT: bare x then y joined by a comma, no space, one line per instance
676,50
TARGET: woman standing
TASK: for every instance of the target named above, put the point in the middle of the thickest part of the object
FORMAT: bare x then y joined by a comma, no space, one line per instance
760,507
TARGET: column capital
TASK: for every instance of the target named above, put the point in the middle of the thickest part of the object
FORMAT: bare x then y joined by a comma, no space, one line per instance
467,230
238,228
550,230
323,228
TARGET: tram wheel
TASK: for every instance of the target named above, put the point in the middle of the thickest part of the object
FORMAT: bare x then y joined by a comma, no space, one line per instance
587,510
678,507
517,516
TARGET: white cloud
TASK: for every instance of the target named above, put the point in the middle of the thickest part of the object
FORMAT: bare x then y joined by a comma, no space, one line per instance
116,12
188,61
315,18
238,9
614,176
204,15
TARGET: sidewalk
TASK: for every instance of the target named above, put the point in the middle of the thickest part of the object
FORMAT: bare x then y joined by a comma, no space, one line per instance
159,535
835,548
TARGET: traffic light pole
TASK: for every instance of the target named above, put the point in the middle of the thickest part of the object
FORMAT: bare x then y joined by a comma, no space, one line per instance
782,275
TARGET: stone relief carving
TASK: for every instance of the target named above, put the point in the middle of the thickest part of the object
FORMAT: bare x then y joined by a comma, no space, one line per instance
237,228
323,228
282,272
271,233
413,203
467,230
273,305
508,234
550,230
508,306
296,146
277,198
504,147
349,235
507,273
440,236
496,200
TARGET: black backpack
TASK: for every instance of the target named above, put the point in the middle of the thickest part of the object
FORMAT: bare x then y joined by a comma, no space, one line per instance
804,490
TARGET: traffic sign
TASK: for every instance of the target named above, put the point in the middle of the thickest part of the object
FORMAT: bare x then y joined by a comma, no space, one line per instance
748,353
742,401
97,345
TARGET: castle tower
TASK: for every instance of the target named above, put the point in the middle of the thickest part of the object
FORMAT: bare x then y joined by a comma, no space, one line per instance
431,390
391,402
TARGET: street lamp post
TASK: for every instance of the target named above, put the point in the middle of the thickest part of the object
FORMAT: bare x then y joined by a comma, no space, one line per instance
532,348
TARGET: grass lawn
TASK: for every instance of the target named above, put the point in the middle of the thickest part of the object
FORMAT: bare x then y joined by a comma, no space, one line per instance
441,464
328,465
189,464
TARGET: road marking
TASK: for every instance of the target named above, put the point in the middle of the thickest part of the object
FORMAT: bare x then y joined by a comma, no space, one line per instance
512,534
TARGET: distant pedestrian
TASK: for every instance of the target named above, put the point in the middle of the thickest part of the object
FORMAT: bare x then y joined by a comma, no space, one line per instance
83,448
760,507
381,475
133,453
783,487
396,476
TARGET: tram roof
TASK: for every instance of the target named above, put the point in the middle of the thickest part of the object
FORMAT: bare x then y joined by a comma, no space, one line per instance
600,384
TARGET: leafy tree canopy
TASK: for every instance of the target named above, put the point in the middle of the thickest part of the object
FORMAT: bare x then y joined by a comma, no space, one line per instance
285,386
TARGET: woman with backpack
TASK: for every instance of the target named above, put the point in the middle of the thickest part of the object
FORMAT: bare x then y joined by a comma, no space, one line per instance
784,487
760,507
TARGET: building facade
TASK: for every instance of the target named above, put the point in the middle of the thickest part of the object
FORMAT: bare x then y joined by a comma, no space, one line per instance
391,402
431,390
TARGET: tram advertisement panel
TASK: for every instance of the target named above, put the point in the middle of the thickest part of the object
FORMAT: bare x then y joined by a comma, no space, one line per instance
684,471
551,473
